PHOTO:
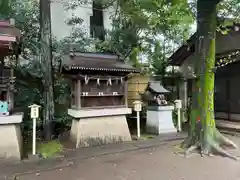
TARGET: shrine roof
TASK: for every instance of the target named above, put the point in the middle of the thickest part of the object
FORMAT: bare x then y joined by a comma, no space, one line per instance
95,62
186,50
8,32
157,87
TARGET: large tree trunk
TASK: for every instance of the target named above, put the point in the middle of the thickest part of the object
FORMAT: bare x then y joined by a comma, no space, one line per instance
46,62
203,134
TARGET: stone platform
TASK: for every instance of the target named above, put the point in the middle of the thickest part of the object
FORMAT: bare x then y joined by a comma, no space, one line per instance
99,126
159,120
11,137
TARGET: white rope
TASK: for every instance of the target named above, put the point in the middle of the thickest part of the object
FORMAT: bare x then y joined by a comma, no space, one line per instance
98,81
86,79
121,79
109,82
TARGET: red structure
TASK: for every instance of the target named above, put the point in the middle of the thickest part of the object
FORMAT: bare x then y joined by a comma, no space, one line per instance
9,38
9,50
10,147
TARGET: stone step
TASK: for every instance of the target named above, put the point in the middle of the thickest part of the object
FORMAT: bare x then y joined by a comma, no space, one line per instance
228,126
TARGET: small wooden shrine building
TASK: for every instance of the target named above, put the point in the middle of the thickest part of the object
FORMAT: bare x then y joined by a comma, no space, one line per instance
99,97
10,147
227,86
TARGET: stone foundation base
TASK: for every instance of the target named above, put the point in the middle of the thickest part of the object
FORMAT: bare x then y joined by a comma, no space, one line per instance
159,120
99,130
10,137
109,126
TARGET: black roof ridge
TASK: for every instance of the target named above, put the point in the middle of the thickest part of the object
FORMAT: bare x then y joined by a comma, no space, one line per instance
89,52
189,43
92,61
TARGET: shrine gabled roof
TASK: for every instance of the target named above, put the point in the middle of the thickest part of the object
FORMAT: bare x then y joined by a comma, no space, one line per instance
95,62
157,87
183,52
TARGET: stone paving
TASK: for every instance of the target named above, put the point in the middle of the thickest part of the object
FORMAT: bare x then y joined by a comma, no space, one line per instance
10,170
159,163
141,160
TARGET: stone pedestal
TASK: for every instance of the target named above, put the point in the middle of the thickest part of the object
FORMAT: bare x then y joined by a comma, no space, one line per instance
11,137
159,120
100,126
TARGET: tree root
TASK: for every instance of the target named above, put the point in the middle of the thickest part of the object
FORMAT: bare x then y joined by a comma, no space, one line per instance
205,152
186,143
189,141
212,145
224,140
213,148
217,149
191,149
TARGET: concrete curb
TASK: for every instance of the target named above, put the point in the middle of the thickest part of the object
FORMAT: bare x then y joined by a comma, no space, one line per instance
68,160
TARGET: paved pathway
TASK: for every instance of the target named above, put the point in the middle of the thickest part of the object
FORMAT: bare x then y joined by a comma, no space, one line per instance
10,170
159,163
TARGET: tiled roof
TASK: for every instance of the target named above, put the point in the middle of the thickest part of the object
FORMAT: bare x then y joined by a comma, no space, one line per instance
95,62
157,87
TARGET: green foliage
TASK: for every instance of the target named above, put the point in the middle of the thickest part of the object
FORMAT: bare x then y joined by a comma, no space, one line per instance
133,58
138,28
77,41
229,9
49,149
26,15
29,72
158,59
5,8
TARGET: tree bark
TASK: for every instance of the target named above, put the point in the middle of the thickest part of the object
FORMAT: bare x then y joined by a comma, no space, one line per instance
203,134
46,62
206,22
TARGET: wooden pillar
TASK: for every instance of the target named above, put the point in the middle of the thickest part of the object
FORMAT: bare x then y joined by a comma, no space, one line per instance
183,92
10,91
1,67
73,94
228,97
126,92
78,94
173,79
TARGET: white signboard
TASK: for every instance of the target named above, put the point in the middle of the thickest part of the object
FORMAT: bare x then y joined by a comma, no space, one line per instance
34,110
34,115
178,104
137,106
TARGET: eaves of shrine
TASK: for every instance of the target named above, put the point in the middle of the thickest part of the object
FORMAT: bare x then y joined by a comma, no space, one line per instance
226,45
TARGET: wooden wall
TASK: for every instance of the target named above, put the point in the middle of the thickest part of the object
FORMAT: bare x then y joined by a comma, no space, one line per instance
227,89
137,83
